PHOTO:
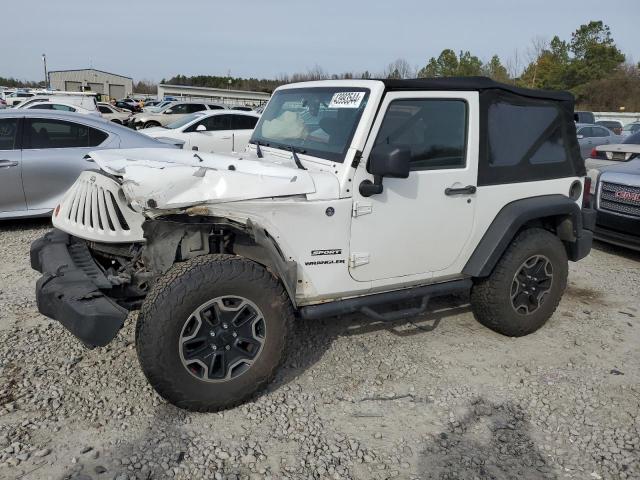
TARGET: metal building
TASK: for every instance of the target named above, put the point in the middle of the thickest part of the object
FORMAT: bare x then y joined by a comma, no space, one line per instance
105,83
222,95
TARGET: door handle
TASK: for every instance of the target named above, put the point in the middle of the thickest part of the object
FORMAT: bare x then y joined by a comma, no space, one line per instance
225,138
468,190
8,163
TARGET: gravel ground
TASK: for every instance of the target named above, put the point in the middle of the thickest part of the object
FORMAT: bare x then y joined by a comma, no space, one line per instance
438,397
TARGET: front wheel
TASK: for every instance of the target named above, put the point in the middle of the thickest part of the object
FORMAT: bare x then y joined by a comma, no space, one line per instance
212,332
151,125
525,287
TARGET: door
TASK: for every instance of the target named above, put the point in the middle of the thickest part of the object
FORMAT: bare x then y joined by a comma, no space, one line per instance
11,191
96,87
117,91
242,126
70,86
211,134
586,142
418,225
601,136
53,157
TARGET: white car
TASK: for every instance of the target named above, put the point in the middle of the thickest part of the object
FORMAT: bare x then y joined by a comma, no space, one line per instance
169,114
82,100
16,98
219,131
61,107
354,196
113,114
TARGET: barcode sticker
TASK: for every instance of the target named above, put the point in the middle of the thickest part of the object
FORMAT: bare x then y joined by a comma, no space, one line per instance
346,100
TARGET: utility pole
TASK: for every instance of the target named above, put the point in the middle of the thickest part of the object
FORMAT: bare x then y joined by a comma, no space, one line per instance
46,78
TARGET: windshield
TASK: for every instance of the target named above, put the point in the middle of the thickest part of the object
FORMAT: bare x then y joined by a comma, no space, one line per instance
184,120
631,127
317,121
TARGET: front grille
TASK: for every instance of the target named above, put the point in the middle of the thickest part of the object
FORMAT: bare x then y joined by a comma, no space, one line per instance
612,198
95,209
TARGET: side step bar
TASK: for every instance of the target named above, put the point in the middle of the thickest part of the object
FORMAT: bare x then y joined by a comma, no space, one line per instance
365,304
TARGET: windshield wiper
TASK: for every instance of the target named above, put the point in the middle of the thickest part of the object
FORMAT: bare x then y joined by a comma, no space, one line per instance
258,149
296,158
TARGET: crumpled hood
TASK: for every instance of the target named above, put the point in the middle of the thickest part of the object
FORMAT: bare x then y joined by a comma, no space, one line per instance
159,178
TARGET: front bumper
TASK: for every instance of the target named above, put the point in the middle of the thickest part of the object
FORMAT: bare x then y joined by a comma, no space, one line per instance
619,230
71,289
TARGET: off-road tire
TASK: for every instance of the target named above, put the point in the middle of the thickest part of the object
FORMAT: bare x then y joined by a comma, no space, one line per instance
172,300
491,296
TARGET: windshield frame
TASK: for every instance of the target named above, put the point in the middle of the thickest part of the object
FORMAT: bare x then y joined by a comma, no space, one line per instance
329,156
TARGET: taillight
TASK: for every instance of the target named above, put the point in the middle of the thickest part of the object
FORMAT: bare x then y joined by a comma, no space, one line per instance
594,153
56,211
586,193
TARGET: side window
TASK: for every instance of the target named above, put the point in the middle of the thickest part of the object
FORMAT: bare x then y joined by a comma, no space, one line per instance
41,106
217,122
8,129
525,140
215,107
49,133
434,130
62,108
195,107
243,122
180,108
586,132
600,132
96,137
104,109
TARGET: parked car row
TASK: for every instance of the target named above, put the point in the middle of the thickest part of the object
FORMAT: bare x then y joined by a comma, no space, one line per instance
614,171
42,152
43,144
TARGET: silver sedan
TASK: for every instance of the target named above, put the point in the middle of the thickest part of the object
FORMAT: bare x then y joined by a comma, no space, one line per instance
42,153
590,136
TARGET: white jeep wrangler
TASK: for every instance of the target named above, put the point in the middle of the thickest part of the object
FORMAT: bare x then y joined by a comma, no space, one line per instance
352,195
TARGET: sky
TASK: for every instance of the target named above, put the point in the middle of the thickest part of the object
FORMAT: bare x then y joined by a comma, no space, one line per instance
158,39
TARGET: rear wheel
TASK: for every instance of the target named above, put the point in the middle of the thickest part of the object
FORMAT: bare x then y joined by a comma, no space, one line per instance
525,287
213,331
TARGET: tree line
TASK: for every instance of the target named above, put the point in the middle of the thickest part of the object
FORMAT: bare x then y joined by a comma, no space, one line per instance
589,64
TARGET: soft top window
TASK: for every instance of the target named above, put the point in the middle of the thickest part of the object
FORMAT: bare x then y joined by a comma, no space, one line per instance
526,139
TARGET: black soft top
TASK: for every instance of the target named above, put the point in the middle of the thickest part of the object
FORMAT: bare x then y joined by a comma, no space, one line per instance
525,134
474,84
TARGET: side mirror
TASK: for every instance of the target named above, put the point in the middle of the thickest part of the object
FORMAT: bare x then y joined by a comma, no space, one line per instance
201,128
388,161
385,161
168,111
580,137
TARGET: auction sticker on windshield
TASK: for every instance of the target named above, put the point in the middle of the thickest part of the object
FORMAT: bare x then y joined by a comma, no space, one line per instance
346,100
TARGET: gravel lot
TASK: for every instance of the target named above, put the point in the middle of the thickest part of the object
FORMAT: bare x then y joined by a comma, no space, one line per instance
439,397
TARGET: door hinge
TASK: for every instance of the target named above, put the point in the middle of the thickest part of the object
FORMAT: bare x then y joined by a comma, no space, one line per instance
356,159
358,259
362,208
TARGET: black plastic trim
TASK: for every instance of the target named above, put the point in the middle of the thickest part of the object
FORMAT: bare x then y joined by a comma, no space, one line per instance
66,293
511,219
363,304
617,238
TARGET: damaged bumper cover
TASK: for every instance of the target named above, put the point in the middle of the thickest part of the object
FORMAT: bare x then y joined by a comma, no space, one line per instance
69,290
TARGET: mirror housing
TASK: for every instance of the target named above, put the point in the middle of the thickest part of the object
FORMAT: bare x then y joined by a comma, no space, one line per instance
167,111
388,161
580,137
201,128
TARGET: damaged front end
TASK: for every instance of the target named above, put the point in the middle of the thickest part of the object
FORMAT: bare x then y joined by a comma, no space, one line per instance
106,254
